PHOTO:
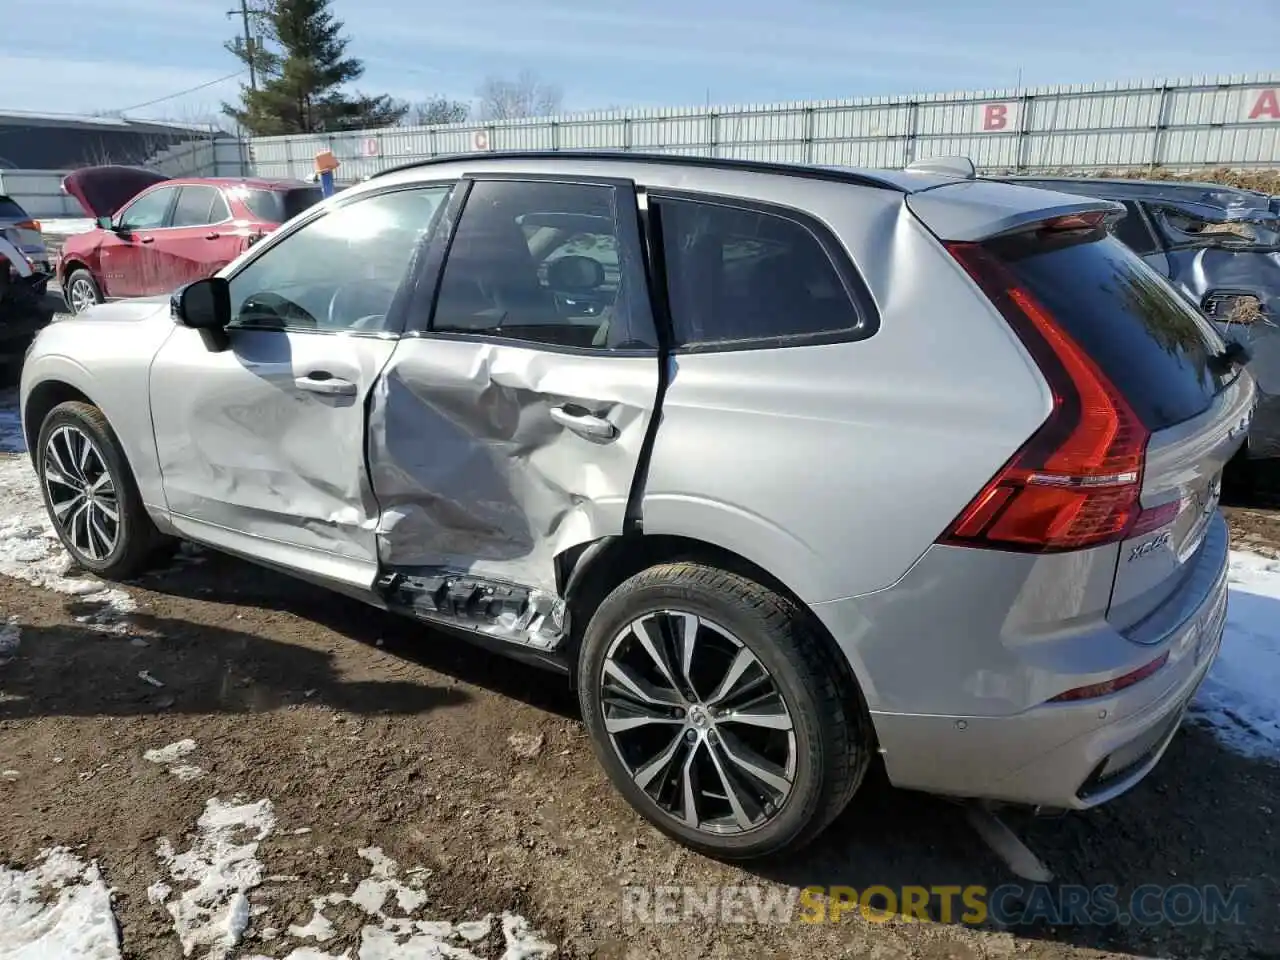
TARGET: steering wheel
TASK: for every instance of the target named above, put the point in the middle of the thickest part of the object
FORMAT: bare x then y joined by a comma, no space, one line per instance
354,298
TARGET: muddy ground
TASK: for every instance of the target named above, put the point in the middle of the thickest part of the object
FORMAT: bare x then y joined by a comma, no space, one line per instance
369,729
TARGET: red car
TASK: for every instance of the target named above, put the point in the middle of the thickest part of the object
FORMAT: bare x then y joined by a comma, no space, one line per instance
155,234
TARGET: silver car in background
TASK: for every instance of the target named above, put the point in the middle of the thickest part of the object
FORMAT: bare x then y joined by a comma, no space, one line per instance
787,468
1220,246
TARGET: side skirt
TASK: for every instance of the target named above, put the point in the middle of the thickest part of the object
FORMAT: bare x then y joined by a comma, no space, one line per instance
496,609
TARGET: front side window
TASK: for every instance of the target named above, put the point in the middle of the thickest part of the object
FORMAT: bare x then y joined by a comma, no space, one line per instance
739,274
148,212
546,263
341,270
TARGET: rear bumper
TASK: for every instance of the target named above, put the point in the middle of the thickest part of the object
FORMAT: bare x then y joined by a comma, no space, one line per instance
1066,755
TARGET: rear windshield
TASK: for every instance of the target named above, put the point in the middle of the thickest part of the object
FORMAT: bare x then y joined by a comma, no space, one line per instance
1150,342
277,206
9,210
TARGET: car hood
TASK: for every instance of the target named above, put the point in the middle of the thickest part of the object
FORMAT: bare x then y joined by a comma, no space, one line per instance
122,311
101,191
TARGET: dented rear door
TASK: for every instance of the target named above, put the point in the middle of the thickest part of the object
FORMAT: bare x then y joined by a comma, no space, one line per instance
511,425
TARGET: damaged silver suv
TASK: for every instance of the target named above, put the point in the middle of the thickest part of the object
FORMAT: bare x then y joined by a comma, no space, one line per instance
787,468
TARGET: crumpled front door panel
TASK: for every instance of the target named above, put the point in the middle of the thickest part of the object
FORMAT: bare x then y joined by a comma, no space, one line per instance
474,472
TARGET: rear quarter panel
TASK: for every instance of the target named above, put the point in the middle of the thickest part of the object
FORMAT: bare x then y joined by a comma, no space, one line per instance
835,467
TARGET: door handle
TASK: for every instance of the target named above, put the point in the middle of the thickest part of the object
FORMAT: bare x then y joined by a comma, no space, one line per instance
146,239
321,382
584,424
212,236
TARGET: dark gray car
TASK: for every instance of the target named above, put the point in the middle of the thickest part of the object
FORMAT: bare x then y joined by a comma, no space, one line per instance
1220,246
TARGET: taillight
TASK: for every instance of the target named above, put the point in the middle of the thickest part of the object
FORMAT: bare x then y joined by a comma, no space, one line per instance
29,225
1076,482
1108,687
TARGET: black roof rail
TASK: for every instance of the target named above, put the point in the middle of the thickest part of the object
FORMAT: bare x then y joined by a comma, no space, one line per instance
835,174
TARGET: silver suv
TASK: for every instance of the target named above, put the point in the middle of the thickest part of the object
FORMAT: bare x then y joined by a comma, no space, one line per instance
786,467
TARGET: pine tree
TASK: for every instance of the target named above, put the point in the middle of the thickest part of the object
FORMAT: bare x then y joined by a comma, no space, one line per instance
300,59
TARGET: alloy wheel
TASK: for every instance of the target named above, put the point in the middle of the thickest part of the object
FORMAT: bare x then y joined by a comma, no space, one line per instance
699,722
83,495
82,295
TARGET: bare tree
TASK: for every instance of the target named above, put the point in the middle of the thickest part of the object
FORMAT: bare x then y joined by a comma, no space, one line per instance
525,96
436,110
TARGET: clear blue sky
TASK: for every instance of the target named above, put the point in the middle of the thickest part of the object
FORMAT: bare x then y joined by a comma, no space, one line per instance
90,55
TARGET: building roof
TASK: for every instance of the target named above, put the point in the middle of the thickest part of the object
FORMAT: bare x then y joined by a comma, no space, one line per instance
25,118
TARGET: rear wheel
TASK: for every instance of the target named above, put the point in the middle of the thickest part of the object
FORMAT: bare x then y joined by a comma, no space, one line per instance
90,493
81,291
719,712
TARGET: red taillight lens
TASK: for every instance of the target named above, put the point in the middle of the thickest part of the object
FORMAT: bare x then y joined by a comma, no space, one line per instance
1076,482
29,225
1108,687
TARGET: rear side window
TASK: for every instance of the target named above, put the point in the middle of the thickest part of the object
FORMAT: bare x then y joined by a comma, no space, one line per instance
555,264
277,206
1133,232
197,206
1147,339
10,210
739,275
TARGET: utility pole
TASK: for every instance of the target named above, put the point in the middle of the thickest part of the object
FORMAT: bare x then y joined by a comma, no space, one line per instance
248,41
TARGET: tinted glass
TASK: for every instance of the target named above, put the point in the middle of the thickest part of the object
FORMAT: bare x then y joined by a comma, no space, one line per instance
220,211
738,274
10,210
341,270
1147,339
277,206
149,211
544,263
1132,230
194,207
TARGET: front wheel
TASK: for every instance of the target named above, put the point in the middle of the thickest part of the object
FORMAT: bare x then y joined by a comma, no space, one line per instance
720,713
90,493
81,291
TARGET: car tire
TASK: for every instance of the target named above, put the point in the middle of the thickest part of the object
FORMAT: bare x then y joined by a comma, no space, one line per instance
80,502
831,739
81,281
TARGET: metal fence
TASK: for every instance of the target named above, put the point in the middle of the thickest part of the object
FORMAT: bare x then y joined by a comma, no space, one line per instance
1189,123
1184,124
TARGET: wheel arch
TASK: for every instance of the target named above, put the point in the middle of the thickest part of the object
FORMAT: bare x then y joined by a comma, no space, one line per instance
590,572
41,399
71,265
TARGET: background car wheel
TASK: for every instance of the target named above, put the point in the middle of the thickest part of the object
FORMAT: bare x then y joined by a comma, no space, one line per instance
81,291
720,713
90,493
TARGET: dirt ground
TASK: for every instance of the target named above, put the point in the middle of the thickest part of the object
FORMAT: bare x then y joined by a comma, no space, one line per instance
363,728
367,728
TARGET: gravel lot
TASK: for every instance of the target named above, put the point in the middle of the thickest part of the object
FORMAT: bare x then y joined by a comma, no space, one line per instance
364,731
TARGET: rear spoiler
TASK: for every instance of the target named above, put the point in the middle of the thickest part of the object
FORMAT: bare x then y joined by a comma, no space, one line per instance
974,210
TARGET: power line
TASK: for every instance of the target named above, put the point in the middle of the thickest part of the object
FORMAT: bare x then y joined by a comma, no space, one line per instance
180,93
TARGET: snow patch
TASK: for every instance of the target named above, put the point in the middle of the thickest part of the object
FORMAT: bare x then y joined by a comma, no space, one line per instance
1240,699
58,909
218,871
172,753
393,934
30,550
